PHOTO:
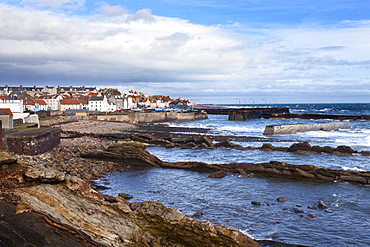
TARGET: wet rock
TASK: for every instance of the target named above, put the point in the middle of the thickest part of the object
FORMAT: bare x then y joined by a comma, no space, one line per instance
302,146
328,149
318,149
311,216
280,199
198,214
298,211
256,203
312,207
125,196
267,147
219,174
170,145
241,171
227,144
203,140
345,150
109,198
321,205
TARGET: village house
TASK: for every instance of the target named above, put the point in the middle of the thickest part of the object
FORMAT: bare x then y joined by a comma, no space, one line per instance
13,105
101,103
34,105
66,104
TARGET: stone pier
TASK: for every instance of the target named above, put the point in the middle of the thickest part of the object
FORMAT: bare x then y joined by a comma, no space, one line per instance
294,128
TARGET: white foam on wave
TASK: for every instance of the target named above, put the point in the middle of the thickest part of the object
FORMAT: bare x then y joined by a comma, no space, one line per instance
346,168
241,129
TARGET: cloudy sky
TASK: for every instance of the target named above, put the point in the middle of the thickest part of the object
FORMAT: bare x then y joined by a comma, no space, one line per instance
219,51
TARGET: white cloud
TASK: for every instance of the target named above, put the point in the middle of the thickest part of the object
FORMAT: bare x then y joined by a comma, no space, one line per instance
168,55
55,4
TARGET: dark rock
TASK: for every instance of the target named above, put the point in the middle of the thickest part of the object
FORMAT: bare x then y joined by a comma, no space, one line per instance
298,211
267,147
312,207
328,149
241,171
256,203
318,149
109,198
321,205
160,142
227,144
132,153
280,199
203,140
345,149
219,174
170,145
198,214
125,196
300,147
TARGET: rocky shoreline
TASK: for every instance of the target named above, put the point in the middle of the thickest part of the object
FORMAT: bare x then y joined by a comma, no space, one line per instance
58,186
53,192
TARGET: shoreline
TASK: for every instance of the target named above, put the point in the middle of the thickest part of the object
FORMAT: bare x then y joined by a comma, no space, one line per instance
84,136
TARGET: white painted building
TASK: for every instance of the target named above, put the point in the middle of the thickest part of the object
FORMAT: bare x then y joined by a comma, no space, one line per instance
13,105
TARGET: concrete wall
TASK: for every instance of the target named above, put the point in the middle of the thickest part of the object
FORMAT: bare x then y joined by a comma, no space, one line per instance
294,128
141,117
7,121
32,142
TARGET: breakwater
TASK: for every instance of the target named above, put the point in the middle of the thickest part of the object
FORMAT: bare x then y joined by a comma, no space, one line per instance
240,114
316,116
294,128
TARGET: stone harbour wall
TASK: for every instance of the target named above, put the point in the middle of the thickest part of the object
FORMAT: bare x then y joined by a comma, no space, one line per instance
141,117
32,142
294,128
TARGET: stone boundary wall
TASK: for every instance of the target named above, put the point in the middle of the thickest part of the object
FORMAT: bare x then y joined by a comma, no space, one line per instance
294,128
141,117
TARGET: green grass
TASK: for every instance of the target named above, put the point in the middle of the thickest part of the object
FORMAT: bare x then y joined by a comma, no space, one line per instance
46,118
25,126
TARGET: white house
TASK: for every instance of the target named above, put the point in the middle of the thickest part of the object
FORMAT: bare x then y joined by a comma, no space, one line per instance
98,103
65,104
13,105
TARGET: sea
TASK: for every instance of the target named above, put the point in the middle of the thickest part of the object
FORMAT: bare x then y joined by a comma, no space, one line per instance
249,203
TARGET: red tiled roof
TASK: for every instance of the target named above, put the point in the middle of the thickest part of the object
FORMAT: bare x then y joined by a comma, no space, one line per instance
93,94
41,102
69,102
28,102
8,111
4,98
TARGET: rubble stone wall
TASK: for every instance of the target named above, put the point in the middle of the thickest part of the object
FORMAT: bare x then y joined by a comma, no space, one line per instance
32,142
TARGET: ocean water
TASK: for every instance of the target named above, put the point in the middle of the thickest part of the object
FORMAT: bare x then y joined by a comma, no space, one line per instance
227,201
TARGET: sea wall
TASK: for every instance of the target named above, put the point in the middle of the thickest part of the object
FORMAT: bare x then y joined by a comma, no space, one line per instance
32,142
141,117
294,128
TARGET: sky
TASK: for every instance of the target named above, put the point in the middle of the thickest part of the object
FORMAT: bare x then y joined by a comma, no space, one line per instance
221,51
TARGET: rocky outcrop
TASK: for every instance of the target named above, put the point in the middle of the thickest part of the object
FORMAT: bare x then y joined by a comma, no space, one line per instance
306,148
133,153
273,168
66,211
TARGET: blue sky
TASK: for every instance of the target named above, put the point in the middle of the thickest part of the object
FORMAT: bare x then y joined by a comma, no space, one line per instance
213,51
